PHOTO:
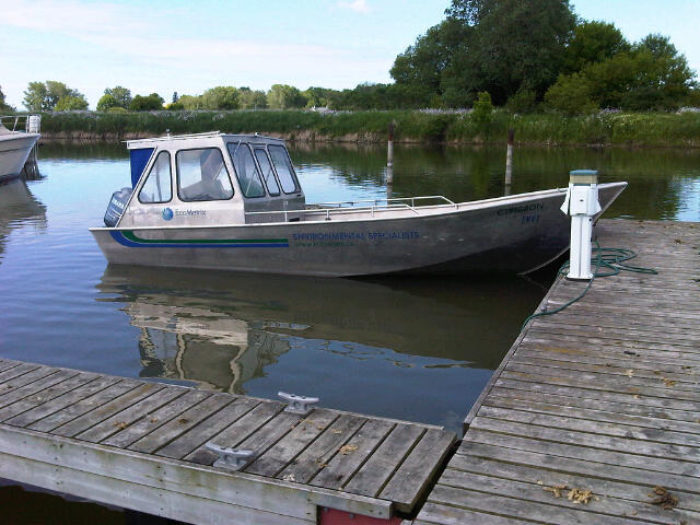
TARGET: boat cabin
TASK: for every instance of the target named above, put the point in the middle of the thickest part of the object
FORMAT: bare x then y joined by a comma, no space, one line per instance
207,179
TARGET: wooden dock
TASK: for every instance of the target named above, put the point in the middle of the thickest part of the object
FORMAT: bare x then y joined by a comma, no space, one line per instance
594,415
142,445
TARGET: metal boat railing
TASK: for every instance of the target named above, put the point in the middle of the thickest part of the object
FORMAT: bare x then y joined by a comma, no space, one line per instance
30,122
360,206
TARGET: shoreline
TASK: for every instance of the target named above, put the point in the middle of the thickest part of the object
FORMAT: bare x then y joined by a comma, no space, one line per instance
631,130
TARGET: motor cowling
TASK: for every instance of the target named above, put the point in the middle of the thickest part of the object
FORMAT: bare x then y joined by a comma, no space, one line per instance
116,206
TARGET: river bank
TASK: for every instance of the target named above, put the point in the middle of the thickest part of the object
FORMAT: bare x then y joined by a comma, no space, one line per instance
603,129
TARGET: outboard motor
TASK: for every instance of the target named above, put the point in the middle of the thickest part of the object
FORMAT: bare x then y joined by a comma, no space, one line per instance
116,206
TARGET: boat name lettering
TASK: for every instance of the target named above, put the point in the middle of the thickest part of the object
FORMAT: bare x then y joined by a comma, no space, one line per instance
190,212
355,236
521,209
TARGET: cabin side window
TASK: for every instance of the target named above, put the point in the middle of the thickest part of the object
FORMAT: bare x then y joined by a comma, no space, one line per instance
202,175
158,186
246,170
283,166
268,173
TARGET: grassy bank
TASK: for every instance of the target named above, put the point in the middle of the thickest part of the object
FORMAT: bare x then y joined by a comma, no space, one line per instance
634,129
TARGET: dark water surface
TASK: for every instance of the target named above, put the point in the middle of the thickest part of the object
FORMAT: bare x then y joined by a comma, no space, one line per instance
417,349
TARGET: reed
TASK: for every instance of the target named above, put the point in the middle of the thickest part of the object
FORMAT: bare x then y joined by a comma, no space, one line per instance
606,128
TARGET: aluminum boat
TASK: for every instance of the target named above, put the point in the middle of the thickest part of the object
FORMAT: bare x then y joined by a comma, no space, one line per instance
15,147
234,202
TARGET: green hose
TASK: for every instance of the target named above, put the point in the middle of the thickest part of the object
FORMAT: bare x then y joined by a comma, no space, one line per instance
608,262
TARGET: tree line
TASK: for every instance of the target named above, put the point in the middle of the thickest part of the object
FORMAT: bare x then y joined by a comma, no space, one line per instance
523,55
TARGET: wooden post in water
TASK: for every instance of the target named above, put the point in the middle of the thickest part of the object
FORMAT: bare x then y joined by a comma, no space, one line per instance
390,161
509,161
390,155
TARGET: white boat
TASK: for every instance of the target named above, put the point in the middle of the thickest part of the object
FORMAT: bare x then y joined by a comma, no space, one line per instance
15,147
233,202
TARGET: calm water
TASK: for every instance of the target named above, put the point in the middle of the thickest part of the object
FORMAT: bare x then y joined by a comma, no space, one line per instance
418,349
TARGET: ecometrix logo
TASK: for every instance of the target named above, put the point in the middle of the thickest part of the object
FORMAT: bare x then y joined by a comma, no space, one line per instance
168,214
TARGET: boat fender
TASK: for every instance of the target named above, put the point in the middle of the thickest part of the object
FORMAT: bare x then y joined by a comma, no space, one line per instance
116,206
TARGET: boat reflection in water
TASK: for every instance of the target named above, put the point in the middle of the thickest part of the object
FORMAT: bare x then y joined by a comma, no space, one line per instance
18,208
368,346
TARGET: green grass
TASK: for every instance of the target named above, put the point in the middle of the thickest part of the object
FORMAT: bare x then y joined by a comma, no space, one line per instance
634,129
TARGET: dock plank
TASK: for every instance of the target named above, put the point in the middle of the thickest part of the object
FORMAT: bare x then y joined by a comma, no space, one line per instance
352,455
141,445
603,396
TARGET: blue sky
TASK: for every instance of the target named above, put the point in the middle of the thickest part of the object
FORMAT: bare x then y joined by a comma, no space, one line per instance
165,46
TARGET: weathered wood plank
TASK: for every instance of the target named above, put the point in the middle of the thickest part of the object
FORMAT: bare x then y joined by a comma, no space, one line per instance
546,477
84,405
600,503
45,395
437,513
124,418
630,397
561,463
602,456
190,418
618,360
617,429
652,384
591,410
15,372
519,508
371,478
685,458
411,479
63,400
18,391
160,417
349,458
282,453
152,474
316,456
201,434
235,433
106,410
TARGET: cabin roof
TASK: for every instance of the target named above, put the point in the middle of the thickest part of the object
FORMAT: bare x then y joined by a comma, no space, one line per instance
152,142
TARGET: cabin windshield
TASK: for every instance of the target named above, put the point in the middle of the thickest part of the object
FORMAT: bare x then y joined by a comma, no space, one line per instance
202,175
283,166
246,170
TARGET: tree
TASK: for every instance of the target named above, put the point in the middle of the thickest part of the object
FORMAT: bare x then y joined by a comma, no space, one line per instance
43,96
121,95
652,75
107,102
190,102
4,106
250,99
71,103
152,102
572,95
498,46
282,96
514,45
422,65
220,97
592,42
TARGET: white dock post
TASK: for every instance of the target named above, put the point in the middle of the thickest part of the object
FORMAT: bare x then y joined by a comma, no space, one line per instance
509,161
582,204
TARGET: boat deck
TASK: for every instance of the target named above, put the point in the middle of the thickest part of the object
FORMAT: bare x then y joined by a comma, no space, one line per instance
142,445
594,414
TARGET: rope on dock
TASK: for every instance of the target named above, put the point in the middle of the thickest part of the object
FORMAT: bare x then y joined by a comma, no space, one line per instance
608,262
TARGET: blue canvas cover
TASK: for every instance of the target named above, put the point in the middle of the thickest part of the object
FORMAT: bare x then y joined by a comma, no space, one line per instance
139,159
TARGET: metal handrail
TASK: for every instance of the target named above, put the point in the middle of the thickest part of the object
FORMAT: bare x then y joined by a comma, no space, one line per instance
337,207
16,121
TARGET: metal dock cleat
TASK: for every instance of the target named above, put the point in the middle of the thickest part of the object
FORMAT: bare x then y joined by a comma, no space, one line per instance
298,404
231,458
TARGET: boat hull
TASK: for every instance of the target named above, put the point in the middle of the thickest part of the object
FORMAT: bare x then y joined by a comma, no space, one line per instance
505,235
14,151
